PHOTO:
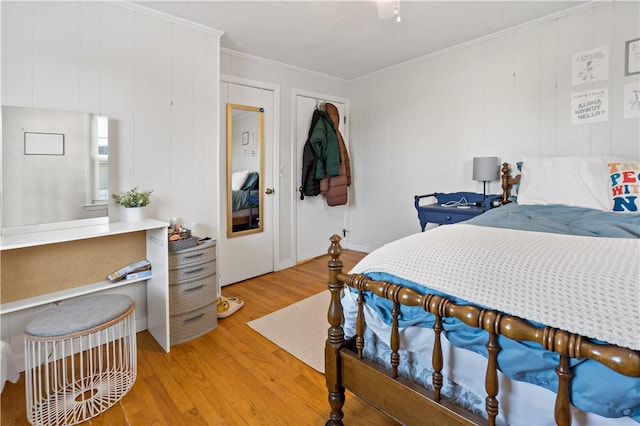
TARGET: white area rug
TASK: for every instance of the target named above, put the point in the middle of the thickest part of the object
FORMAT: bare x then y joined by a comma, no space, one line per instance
300,329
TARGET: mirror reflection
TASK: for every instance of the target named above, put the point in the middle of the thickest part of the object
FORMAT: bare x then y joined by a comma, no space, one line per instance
244,168
55,166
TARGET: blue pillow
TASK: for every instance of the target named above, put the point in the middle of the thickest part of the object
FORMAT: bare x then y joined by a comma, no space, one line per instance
251,182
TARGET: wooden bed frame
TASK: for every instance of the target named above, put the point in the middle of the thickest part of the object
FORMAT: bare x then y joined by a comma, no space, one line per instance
244,220
346,368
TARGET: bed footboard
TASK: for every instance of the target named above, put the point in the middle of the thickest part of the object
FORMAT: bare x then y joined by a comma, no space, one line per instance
345,366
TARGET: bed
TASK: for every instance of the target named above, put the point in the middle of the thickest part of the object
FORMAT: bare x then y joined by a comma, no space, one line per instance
244,199
527,314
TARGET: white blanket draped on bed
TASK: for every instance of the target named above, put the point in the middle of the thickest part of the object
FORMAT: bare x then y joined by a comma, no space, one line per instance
584,285
8,368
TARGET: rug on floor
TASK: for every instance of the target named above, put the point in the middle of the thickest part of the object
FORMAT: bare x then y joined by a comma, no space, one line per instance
300,329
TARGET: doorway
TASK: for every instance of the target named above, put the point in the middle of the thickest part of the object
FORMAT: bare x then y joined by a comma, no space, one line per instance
248,254
315,220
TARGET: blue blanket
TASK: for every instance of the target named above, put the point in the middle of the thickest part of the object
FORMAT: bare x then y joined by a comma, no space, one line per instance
240,199
615,395
561,220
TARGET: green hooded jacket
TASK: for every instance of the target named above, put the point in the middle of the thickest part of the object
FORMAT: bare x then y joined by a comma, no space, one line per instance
325,147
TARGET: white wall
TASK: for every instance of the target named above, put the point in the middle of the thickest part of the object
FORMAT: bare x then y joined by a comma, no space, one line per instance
415,128
157,79
288,79
241,152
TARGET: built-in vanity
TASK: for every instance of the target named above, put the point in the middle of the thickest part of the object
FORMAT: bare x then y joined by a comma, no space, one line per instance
41,268
60,239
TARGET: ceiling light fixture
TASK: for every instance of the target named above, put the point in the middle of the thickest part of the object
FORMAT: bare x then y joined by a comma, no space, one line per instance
396,11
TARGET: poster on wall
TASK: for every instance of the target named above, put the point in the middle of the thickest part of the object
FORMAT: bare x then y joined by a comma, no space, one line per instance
591,106
590,65
632,57
632,100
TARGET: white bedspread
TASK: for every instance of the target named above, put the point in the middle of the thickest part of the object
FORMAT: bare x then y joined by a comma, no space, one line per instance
585,285
8,368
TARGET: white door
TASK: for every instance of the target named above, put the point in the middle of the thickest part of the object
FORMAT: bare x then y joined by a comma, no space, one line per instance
315,220
247,255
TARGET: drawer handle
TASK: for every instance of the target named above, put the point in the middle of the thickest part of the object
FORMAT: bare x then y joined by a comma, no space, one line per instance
193,256
194,318
448,218
193,271
194,288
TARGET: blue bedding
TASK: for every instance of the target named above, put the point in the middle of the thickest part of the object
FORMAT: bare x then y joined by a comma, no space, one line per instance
561,219
616,395
240,199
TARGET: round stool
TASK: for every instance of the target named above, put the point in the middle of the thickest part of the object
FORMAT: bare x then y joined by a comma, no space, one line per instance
80,358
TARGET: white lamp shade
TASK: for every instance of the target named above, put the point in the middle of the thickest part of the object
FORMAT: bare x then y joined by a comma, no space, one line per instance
485,169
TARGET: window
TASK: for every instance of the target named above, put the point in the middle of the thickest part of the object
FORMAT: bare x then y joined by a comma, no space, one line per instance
100,156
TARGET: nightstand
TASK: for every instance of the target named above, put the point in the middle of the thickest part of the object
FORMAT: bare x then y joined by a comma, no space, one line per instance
453,207
254,201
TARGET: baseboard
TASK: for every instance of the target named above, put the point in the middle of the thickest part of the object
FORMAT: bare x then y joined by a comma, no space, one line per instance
358,247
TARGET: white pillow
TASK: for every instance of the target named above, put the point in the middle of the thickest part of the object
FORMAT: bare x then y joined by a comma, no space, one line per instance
238,179
624,179
572,181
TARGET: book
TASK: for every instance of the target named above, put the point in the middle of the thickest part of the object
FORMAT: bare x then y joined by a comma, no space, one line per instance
139,266
136,275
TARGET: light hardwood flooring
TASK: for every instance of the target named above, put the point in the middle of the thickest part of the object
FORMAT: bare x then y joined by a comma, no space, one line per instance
230,376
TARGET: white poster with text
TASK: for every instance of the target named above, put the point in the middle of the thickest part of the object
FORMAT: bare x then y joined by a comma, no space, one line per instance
590,65
591,106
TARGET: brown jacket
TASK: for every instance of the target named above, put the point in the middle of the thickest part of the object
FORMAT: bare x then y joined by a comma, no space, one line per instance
335,188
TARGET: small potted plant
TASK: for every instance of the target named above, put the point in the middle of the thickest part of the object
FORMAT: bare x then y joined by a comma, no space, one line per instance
133,202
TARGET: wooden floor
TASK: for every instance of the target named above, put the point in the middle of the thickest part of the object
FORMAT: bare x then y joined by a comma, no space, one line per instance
230,376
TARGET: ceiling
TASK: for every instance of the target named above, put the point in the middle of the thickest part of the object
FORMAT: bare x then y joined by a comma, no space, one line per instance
348,39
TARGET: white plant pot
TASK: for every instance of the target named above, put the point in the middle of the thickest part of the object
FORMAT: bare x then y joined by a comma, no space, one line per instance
134,214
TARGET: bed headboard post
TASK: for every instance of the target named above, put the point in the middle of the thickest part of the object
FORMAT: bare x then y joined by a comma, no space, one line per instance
507,182
335,338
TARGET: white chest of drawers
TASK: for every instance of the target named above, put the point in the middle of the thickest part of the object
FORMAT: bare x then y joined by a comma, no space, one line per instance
193,290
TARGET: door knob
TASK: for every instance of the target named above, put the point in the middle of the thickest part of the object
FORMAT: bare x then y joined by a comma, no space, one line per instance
268,191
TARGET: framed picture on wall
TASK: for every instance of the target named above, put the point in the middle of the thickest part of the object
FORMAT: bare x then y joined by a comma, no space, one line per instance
590,66
43,143
632,57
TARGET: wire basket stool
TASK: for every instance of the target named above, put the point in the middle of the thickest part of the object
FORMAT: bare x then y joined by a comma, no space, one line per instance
80,359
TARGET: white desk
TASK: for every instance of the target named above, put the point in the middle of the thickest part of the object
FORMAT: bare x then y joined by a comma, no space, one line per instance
157,287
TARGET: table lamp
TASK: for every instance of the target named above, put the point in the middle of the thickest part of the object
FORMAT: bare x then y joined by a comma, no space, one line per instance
485,169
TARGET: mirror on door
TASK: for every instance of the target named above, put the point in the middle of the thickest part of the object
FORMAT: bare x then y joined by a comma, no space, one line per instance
244,169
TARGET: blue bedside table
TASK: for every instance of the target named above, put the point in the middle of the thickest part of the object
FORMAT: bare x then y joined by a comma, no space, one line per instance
453,207
254,201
